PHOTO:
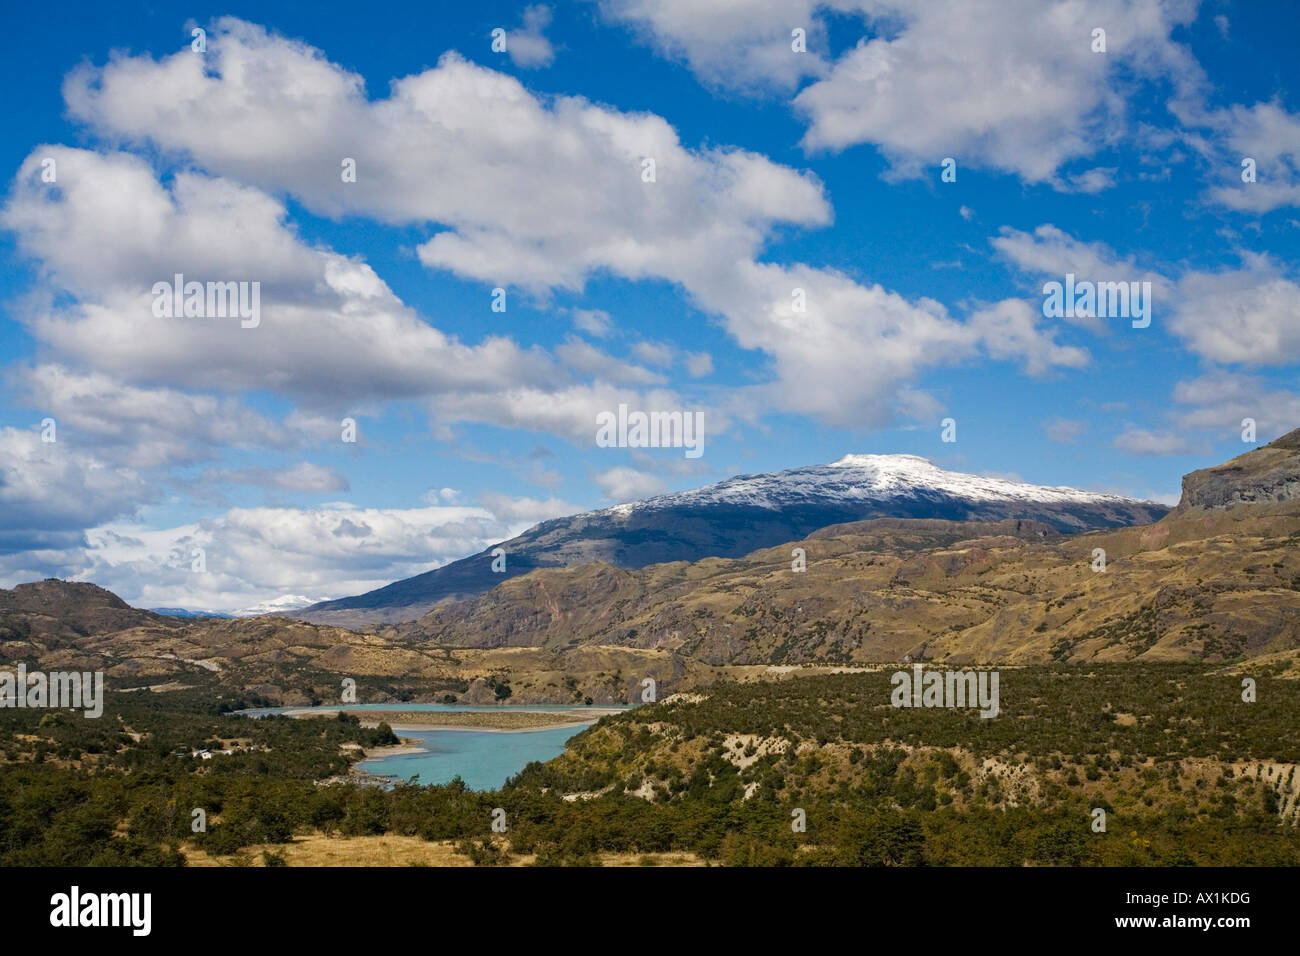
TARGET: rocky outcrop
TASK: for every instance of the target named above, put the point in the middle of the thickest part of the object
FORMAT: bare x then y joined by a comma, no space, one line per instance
1268,475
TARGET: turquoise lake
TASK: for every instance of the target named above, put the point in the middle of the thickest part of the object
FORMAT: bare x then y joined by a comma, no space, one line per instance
484,760
436,708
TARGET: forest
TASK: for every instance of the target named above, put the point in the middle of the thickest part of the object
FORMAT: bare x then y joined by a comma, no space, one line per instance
804,771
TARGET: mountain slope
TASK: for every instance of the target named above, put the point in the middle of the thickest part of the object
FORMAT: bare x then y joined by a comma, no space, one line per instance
58,612
1217,584
740,515
1213,586
1260,476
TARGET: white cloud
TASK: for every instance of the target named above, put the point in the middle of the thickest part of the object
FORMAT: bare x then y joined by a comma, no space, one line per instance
744,44
627,484
1269,134
528,46
1219,401
654,353
457,145
331,330
523,513
585,358
699,364
1092,181
1247,315
1053,253
50,491
146,427
1012,86
1064,431
255,555
1013,329
303,477
1141,441
593,321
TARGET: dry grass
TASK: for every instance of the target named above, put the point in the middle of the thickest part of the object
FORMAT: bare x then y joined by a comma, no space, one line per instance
318,849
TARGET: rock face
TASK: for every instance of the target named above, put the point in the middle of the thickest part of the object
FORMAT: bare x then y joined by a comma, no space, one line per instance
1267,475
478,693
737,516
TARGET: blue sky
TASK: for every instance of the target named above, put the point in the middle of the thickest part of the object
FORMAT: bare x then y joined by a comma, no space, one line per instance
522,169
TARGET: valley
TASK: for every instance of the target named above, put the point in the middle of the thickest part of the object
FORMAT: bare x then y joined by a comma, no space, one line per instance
1142,707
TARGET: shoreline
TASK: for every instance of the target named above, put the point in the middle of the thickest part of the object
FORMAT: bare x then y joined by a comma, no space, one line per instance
474,729
469,729
479,721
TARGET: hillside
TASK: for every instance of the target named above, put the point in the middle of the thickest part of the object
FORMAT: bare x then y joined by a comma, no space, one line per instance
737,516
1264,475
56,613
1186,773
1209,583
65,625
1209,586
1213,584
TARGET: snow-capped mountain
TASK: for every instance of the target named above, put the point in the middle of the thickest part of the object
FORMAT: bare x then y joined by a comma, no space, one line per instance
863,478
742,514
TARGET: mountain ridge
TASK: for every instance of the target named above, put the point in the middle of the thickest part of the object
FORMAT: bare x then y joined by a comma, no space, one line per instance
738,515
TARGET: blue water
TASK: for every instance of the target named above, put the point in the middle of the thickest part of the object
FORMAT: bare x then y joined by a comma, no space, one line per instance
483,760
544,708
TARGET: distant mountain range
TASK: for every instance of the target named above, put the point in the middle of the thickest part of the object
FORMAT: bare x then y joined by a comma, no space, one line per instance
1216,580
736,516
183,612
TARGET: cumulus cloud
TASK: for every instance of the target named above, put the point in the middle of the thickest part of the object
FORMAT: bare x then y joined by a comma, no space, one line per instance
1242,315
622,484
1219,401
457,145
1246,316
1012,86
331,329
740,44
257,555
590,361
1014,329
1141,441
593,321
146,427
50,491
699,364
1268,134
1052,253
527,46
